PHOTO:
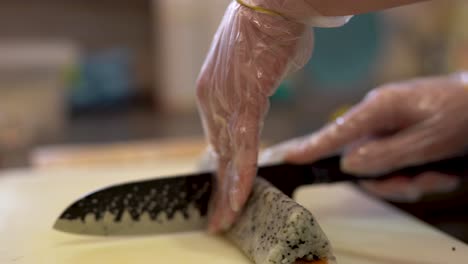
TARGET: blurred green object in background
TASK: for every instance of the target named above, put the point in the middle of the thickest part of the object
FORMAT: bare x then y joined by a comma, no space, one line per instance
103,79
344,56
284,91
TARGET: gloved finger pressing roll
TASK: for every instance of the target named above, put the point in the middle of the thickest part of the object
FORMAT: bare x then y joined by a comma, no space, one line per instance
251,53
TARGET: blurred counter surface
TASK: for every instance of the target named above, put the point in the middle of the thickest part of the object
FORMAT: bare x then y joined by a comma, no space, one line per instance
369,232
117,154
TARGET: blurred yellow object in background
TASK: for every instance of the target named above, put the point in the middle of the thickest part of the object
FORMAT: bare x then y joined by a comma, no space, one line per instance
340,111
457,58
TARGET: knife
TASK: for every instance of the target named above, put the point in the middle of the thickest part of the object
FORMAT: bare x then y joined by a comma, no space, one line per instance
177,204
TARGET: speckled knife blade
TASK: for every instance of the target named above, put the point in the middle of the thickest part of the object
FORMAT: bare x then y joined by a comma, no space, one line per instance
175,204
162,205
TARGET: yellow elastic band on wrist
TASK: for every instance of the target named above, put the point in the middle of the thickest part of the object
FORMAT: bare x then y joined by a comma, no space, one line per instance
260,9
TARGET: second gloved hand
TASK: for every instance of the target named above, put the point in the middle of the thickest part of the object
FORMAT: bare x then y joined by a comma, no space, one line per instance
397,125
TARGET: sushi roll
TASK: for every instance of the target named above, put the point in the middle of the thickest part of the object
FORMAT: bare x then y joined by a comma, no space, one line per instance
274,229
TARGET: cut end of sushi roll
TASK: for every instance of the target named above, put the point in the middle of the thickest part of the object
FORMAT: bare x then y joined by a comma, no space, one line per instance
274,229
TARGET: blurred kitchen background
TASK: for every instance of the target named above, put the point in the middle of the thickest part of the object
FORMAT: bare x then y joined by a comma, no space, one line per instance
92,82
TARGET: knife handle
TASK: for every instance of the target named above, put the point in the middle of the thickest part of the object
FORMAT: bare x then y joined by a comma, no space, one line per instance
328,170
287,177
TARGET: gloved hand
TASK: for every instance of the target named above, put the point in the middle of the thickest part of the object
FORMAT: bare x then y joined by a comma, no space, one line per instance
403,189
251,53
396,125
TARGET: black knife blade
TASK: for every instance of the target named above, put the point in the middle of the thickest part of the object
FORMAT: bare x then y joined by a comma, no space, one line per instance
173,204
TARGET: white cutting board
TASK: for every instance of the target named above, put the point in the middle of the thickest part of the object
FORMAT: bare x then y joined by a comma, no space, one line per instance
361,229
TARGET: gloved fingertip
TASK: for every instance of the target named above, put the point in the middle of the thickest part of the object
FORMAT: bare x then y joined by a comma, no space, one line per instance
313,147
213,222
271,156
228,218
433,182
221,220
410,194
232,192
365,160
450,184
239,190
354,164
300,151
220,215
235,199
399,189
294,155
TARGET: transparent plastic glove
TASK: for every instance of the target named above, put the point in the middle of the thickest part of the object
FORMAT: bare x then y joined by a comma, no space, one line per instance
395,126
250,54
405,190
